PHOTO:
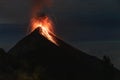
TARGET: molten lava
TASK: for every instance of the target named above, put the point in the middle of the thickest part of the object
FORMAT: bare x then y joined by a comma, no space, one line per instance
46,27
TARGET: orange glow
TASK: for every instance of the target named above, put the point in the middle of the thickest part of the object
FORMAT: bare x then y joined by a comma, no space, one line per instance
46,27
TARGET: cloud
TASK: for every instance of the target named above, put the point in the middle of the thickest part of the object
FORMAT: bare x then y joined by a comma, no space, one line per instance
18,11
14,10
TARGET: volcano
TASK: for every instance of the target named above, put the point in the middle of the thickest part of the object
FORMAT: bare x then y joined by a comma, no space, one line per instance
38,58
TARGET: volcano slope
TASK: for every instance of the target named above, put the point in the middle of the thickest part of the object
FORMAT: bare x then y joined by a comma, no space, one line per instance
36,58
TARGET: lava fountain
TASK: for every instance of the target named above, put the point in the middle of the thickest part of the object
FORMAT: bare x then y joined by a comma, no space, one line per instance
44,22
46,26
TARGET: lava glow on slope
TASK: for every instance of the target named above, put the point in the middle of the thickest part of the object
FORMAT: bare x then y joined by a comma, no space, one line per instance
46,27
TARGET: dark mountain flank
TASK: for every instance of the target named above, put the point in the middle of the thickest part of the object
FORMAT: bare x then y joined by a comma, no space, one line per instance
36,58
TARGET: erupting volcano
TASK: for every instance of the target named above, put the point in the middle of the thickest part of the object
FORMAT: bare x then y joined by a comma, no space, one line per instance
41,55
44,22
46,27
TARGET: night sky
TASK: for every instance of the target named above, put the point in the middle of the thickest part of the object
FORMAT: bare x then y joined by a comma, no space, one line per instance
93,26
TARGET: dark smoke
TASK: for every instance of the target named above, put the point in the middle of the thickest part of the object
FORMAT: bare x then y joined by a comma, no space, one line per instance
39,5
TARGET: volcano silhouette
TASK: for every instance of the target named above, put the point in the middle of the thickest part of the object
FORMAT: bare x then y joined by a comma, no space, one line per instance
35,54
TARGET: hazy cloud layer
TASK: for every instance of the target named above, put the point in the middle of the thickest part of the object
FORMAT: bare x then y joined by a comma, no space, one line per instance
18,10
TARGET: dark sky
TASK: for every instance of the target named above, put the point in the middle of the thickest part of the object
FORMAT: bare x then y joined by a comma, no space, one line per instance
90,25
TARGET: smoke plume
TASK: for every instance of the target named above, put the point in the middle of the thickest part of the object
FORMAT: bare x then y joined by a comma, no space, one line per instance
39,5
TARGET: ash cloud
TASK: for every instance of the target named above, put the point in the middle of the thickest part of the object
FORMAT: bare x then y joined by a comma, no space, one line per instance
39,5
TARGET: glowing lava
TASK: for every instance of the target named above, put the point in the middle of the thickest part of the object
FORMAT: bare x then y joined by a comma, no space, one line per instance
46,27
